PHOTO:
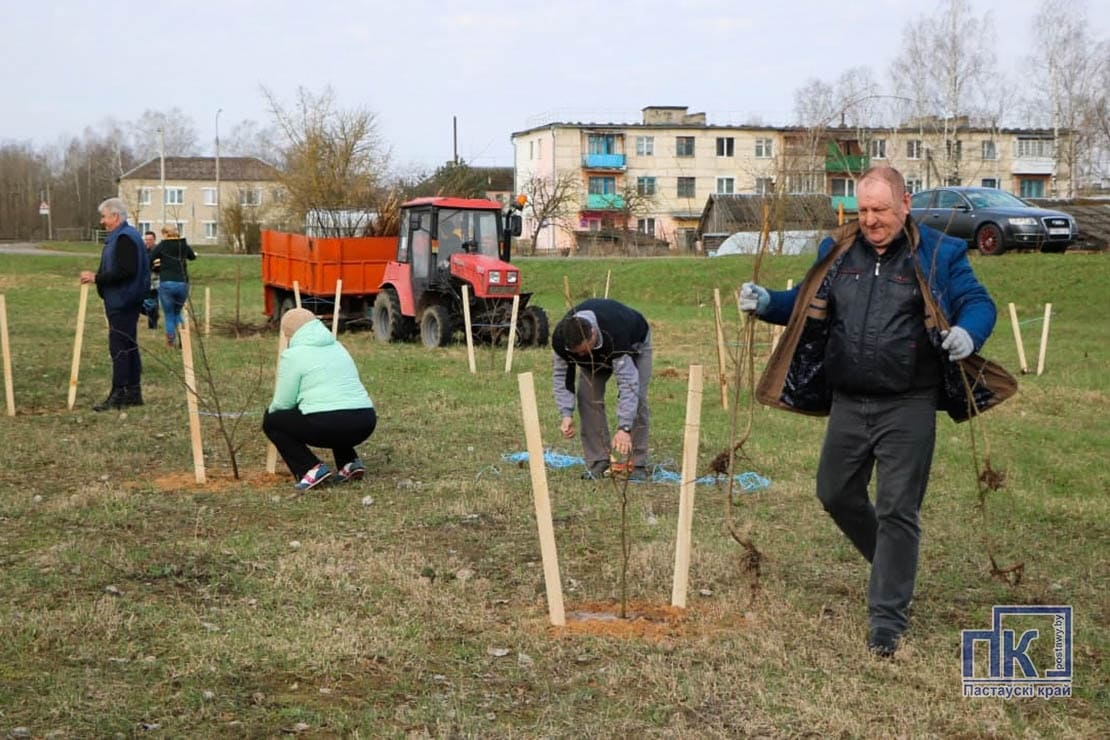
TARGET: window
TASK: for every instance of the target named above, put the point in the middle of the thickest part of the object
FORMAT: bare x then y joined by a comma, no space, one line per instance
144,196
1032,188
913,185
601,144
645,185
952,182
913,149
143,227
764,185
250,197
211,230
684,146
990,182
725,185
1034,148
209,195
646,226
843,187
802,182
952,148
686,187
175,196
602,185
725,146
531,150
539,148
180,226
645,146
989,150
764,148
878,149
921,200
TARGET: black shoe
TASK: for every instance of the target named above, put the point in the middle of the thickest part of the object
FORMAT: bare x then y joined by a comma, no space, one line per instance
883,642
133,395
115,400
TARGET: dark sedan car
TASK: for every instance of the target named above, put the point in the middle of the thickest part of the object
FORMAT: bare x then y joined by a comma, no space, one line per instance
993,220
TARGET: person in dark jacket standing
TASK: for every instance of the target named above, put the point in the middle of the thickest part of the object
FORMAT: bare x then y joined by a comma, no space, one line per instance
885,378
150,303
172,256
122,281
603,338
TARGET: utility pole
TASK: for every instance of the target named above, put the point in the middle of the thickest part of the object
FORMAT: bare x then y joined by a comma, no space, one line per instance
162,161
218,112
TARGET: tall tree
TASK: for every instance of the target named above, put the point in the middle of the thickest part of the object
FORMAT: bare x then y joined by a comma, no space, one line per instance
552,202
171,132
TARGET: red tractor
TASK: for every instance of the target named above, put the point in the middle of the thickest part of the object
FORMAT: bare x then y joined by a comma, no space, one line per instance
444,244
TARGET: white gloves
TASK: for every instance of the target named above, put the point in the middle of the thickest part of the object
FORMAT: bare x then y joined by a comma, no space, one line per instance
958,343
754,298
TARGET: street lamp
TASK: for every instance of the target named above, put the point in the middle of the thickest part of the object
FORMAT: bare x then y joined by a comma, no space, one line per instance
162,161
218,112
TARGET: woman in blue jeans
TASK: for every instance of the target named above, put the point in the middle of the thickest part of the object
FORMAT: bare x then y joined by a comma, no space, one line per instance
170,259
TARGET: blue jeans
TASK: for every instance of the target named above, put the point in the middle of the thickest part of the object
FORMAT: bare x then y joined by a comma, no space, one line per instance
172,295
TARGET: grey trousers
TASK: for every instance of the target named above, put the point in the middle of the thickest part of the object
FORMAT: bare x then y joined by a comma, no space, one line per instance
894,436
590,391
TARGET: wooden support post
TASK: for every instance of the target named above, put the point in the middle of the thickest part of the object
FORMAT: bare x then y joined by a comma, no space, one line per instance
1017,339
78,337
722,365
776,333
297,293
840,214
1044,338
608,274
545,526
271,451
686,488
566,291
207,311
6,350
335,313
191,399
468,329
512,333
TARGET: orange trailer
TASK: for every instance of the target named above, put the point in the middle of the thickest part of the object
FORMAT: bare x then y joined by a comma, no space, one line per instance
316,263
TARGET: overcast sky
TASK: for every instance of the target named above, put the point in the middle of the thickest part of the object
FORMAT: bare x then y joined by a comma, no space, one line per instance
496,65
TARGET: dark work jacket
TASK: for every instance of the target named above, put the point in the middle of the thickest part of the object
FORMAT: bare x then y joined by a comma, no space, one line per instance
173,254
878,344
123,281
622,330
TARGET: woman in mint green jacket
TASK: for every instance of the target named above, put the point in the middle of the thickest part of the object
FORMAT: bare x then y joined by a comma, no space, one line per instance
319,400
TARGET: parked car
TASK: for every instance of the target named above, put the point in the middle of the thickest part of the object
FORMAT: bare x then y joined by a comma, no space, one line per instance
993,221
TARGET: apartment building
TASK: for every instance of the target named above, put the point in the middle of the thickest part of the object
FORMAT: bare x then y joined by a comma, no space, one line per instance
193,195
657,175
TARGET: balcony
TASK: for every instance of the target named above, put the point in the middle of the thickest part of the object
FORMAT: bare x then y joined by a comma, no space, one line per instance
1026,165
848,201
603,161
852,163
604,202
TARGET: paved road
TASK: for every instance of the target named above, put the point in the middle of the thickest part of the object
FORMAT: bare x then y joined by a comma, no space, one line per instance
32,248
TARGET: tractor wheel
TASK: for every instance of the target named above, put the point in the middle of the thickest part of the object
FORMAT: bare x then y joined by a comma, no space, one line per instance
435,326
988,240
386,317
532,327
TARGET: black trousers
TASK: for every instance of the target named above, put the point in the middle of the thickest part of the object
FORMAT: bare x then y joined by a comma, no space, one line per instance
893,436
292,432
123,347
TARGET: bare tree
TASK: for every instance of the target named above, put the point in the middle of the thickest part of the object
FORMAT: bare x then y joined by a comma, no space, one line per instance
178,137
250,139
1071,67
552,202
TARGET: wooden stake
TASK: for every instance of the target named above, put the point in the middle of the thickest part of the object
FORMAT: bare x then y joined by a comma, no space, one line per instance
566,291
78,336
512,333
191,399
6,348
1017,339
271,451
1044,338
608,274
840,214
546,528
469,336
297,293
722,366
207,311
686,488
335,314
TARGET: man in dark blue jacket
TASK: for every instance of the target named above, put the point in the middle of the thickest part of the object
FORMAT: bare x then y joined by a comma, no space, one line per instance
122,281
866,358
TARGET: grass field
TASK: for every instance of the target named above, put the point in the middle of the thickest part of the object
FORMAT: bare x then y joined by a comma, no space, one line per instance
137,602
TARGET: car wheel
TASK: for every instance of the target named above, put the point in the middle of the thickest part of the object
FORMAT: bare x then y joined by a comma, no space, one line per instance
988,240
